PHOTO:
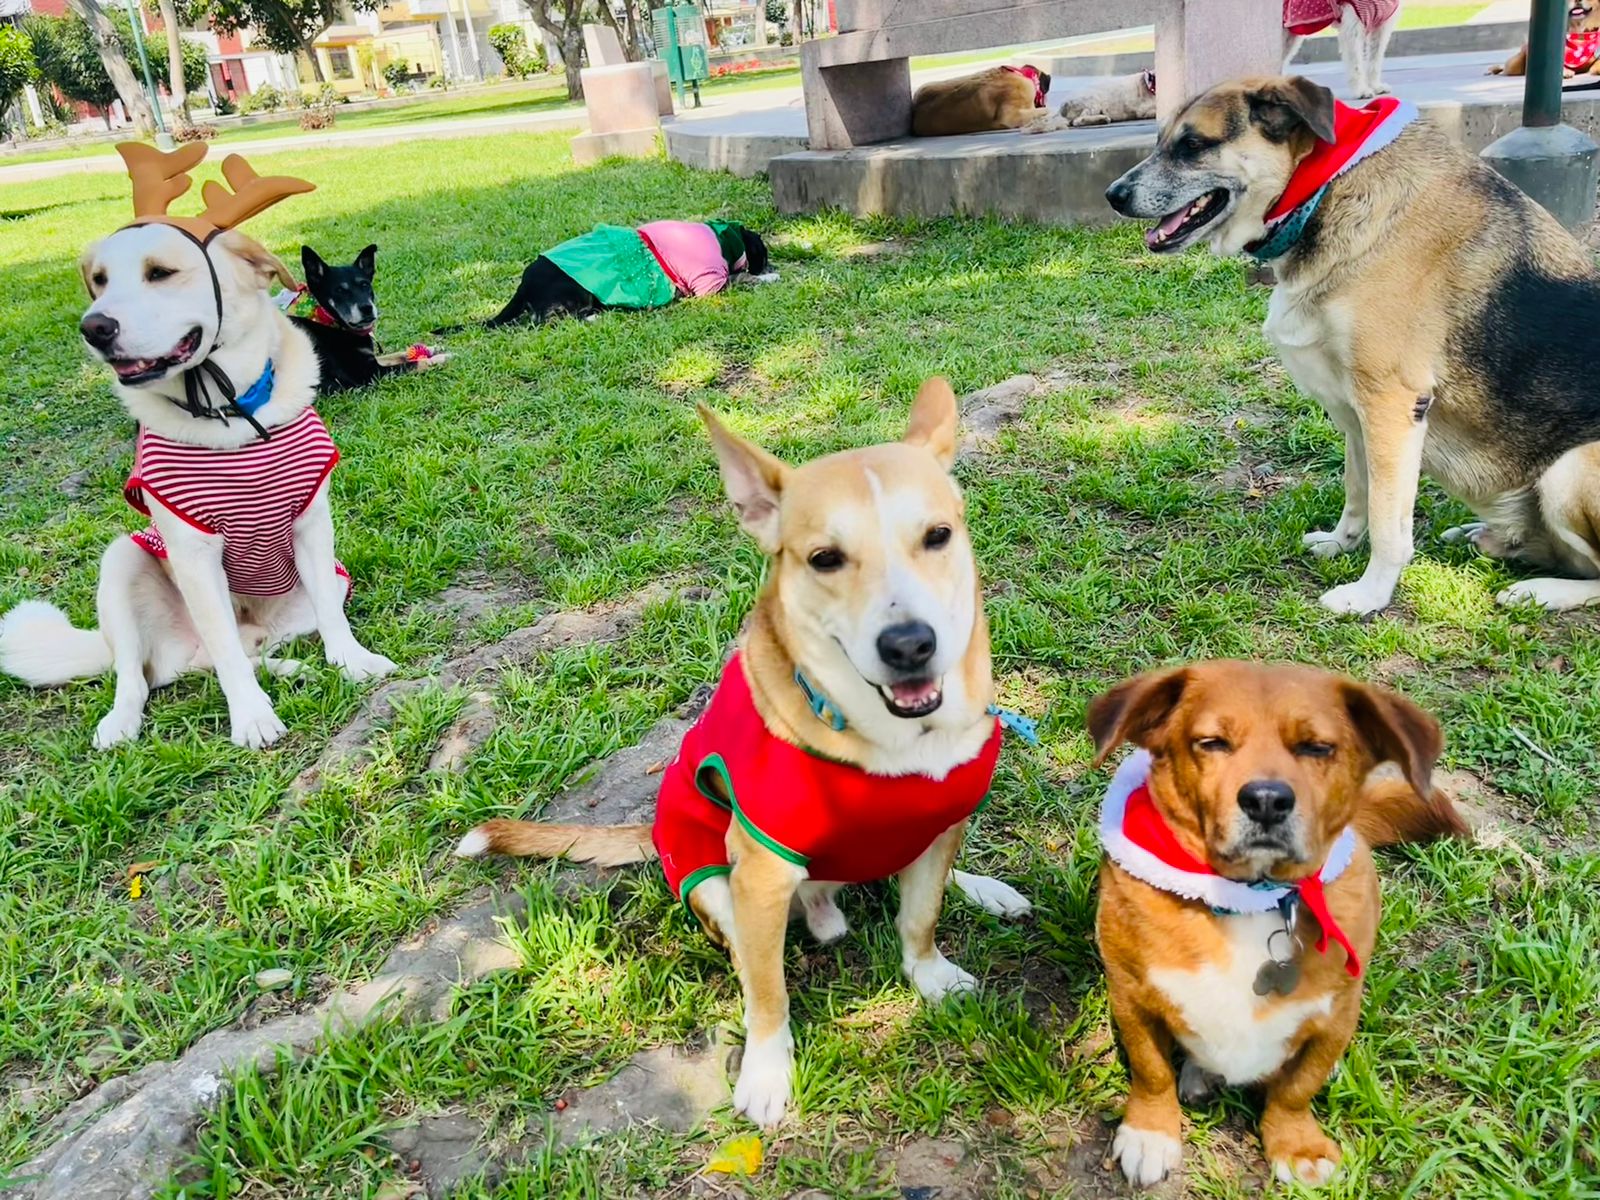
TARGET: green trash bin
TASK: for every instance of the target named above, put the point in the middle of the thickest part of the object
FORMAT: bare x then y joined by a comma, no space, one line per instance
680,36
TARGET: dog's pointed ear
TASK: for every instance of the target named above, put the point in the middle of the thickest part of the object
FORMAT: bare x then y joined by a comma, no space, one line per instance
261,263
1283,106
311,263
934,416
752,478
367,261
1396,731
1134,710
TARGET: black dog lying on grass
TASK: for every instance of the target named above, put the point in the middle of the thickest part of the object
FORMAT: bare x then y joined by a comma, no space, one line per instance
612,266
337,308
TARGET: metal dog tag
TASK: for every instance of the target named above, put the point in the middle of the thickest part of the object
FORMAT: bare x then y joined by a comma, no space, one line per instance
1281,972
1278,977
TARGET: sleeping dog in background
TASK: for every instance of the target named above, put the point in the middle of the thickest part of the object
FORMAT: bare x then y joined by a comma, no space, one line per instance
615,267
231,465
1238,900
337,309
1442,318
851,734
999,98
1128,98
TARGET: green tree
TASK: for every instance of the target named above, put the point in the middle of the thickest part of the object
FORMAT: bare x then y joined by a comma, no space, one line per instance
69,58
69,61
286,26
109,49
17,67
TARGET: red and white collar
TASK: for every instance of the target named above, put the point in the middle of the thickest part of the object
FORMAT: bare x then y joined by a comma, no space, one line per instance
1031,74
1357,133
1137,838
1582,49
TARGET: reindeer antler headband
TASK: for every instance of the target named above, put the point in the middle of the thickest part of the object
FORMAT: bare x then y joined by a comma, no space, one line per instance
160,177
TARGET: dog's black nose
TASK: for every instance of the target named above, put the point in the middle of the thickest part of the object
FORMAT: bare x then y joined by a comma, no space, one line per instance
1267,802
907,646
99,330
1119,193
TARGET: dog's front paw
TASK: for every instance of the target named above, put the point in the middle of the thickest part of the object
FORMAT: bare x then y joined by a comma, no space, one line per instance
765,1079
255,724
1357,599
1145,1156
360,665
936,977
116,727
992,895
1310,1160
1328,543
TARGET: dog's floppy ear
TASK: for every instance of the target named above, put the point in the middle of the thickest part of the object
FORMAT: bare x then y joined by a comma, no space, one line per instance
261,263
367,261
752,478
1396,731
1282,106
934,416
1134,709
311,263
85,266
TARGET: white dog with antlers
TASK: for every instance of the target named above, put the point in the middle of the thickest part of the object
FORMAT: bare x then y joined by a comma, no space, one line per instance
231,464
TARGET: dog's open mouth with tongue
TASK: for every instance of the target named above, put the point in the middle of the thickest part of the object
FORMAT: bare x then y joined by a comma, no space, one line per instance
1177,229
134,371
913,697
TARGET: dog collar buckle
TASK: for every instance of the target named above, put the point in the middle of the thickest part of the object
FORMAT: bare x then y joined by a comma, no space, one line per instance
822,708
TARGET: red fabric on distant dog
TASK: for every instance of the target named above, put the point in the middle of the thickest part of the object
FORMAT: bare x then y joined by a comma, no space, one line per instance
1357,132
252,496
1582,50
1305,17
1031,74
840,822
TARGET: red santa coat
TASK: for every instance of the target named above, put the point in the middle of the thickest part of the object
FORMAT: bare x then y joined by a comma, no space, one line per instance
843,824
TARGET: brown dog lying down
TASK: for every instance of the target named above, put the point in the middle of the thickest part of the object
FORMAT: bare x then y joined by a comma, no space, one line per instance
1125,98
999,98
1582,51
1248,775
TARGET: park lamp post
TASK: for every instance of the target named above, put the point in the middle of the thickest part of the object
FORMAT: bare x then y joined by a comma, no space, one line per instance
163,138
1552,162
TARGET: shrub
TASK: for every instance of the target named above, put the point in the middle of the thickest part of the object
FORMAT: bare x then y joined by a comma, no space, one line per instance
191,131
438,82
511,44
265,98
224,107
317,118
395,74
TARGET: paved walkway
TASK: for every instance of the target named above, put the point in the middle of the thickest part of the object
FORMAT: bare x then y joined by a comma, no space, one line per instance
753,101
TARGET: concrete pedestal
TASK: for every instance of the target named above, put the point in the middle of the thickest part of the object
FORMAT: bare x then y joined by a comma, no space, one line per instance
1555,164
624,113
1201,43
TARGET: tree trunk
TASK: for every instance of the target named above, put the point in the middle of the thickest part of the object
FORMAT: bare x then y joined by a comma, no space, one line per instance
635,42
308,46
129,89
572,58
175,83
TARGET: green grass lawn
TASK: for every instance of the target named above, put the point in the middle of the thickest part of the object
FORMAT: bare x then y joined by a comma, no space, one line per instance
1147,510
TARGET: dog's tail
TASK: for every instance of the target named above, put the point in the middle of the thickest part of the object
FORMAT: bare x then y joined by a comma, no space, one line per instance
1391,812
603,845
39,646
